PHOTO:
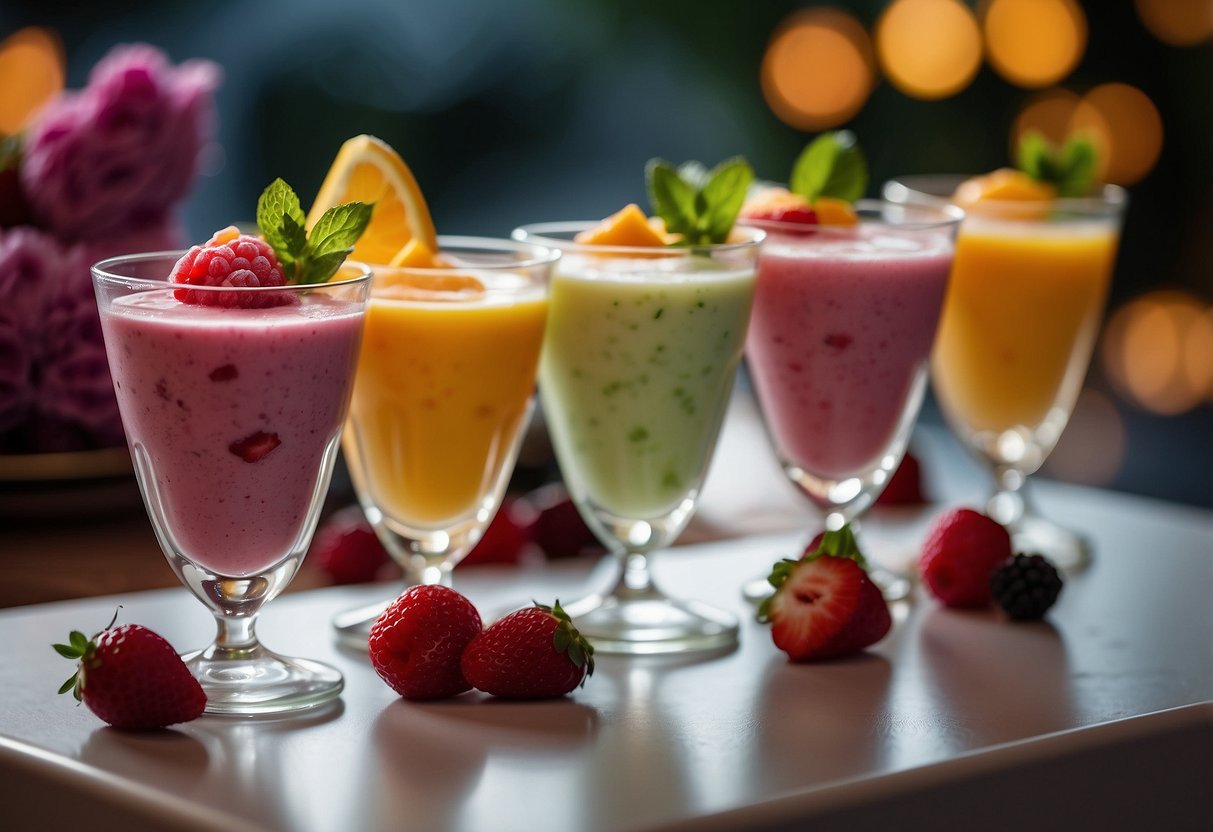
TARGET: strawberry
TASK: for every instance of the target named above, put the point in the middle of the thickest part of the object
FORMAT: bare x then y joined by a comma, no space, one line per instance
560,530
131,678
254,447
825,605
962,550
507,537
779,205
532,653
347,549
415,645
905,486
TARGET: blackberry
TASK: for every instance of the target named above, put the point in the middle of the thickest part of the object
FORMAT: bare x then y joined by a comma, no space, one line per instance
1026,587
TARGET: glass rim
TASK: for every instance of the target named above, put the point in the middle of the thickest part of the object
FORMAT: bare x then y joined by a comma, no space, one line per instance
1109,198
536,255
103,271
541,233
949,214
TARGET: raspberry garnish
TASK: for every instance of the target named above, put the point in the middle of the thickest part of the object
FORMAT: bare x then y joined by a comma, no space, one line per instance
231,259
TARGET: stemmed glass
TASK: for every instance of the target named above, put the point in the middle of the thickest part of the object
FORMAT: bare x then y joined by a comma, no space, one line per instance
1020,322
232,400
444,389
642,349
844,319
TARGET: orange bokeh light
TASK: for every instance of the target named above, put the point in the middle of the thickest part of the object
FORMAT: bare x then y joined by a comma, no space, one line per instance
1049,113
1034,43
1158,351
929,48
818,69
1177,22
1125,126
31,73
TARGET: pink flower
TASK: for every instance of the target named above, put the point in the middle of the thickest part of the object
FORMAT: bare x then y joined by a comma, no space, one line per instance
123,151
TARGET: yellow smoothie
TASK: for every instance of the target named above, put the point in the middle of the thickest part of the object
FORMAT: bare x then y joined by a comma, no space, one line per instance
1020,319
442,393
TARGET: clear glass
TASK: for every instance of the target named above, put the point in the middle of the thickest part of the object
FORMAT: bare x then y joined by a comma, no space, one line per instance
233,411
844,319
642,350
1020,322
444,391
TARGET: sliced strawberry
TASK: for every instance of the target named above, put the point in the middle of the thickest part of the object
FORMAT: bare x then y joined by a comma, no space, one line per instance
254,447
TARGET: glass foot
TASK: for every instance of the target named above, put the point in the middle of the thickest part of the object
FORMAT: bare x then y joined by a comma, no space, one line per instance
651,624
258,682
1033,534
894,586
353,627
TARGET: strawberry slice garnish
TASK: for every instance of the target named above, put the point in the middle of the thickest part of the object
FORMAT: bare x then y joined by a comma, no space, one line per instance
255,446
825,605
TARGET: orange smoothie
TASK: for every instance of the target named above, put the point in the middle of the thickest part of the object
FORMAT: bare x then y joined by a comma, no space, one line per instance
442,393
1020,320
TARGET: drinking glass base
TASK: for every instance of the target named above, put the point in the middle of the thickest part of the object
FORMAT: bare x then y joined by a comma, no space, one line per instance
651,624
352,628
1032,534
262,683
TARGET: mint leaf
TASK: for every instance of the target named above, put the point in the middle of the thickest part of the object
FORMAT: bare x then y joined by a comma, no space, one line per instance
1071,168
672,197
340,227
831,165
277,202
723,196
319,268
701,206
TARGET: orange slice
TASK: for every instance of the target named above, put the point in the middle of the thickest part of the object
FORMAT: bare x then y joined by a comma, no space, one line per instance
831,211
366,169
418,255
406,285
628,227
1006,185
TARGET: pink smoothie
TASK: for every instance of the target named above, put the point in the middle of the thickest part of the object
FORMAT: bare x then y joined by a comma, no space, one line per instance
841,329
229,413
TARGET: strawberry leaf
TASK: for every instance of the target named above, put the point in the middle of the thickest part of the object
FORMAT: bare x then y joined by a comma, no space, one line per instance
839,543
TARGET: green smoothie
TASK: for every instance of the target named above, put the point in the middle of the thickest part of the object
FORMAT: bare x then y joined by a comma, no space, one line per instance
637,366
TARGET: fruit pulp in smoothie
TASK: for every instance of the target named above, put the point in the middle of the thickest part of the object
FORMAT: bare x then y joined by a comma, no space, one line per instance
636,373
842,328
1020,320
230,415
442,394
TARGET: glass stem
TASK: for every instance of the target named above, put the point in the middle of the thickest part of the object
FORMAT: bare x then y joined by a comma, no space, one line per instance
1009,502
636,581
235,635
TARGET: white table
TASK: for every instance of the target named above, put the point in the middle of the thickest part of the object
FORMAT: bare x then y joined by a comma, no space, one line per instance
1100,718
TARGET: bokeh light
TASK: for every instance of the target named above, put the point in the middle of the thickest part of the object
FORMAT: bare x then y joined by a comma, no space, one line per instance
818,69
1157,351
929,48
1092,448
1126,127
1177,22
1034,43
31,73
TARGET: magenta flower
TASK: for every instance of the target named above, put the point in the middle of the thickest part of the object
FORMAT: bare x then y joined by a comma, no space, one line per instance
123,151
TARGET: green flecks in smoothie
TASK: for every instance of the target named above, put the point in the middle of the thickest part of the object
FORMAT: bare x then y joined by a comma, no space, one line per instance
670,480
638,434
685,401
657,315
611,388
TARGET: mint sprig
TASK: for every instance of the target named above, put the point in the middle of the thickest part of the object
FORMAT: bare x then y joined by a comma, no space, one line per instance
700,206
308,258
1070,168
831,165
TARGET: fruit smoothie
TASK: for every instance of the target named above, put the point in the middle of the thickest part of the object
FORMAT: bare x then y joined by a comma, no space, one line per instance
636,374
442,395
1020,320
842,328
229,414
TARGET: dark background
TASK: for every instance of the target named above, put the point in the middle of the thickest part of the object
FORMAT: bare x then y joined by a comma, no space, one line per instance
535,110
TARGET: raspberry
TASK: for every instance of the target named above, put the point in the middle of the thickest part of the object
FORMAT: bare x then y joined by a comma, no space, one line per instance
961,552
1026,587
231,259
